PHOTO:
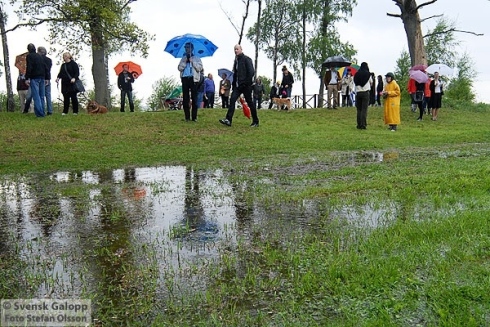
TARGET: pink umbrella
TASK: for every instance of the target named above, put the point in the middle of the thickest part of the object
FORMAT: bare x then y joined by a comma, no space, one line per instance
418,76
419,67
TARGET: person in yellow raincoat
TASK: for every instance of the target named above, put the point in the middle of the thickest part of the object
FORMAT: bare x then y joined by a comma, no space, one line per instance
391,95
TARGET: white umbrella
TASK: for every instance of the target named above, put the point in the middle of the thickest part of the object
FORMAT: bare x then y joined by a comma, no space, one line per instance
442,69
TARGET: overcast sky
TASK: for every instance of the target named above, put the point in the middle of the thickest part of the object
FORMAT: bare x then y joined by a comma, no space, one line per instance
379,39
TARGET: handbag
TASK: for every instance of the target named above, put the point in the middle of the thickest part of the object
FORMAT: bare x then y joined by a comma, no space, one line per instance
78,86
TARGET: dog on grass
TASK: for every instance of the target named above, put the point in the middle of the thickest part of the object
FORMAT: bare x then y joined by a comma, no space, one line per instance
282,103
94,108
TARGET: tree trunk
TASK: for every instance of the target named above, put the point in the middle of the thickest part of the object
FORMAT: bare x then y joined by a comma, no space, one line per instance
411,22
240,37
257,36
303,56
416,48
6,60
100,71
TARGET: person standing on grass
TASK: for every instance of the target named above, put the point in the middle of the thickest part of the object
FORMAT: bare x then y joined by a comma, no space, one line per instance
190,68
379,89
243,77
363,82
392,95
436,89
258,92
36,72
209,90
125,82
47,104
69,73
224,90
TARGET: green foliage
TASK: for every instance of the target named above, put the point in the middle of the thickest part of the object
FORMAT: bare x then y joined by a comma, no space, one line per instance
281,32
161,89
403,65
75,24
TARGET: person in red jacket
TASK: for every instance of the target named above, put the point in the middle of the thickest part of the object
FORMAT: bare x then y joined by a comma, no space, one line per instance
427,93
411,89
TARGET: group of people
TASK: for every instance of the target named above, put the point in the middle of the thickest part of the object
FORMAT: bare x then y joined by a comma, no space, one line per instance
427,97
362,84
35,84
191,70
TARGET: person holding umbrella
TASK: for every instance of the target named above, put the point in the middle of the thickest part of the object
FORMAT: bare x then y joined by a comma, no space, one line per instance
224,90
243,76
436,89
190,68
125,81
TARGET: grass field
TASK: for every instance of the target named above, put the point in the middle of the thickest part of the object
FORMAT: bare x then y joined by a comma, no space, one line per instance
426,263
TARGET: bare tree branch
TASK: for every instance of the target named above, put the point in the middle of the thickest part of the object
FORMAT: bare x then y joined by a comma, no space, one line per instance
394,15
430,17
452,30
425,4
228,16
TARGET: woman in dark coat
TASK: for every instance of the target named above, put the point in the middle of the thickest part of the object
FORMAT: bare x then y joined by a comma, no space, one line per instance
69,73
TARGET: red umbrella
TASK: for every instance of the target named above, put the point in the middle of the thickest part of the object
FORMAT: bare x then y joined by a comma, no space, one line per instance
133,68
246,108
21,63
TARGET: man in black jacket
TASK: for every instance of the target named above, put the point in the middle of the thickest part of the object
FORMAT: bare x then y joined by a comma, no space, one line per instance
125,81
243,76
35,78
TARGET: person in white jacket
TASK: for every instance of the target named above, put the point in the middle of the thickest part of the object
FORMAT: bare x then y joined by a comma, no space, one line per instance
190,68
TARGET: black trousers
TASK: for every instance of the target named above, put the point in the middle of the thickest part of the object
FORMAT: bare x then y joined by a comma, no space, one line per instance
362,103
247,93
67,96
188,86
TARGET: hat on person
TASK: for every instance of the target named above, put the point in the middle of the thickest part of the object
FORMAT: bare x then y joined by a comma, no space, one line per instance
390,74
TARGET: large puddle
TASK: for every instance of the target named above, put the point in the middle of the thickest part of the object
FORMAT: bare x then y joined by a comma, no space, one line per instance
91,232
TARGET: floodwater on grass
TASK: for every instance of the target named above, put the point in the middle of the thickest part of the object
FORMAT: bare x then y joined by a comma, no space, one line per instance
81,231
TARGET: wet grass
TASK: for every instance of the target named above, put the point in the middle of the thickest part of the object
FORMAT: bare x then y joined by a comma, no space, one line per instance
426,261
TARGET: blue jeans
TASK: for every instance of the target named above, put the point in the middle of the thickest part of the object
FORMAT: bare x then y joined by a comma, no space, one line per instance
47,104
130,100
38,92
200,96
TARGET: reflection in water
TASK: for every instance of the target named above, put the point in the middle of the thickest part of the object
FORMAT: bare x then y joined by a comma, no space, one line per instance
102,231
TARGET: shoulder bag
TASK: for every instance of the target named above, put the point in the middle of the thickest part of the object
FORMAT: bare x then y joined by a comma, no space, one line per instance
78,86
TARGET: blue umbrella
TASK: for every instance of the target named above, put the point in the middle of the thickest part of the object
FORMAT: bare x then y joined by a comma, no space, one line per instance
227,72
202,46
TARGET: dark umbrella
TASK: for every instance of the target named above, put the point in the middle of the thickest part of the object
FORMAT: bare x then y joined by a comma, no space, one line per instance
202,46
336,61
227,72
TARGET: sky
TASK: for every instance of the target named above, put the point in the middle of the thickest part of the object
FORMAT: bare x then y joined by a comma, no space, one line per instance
378,38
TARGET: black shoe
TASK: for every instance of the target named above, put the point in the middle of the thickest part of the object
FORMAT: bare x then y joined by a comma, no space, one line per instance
195,120
254,125
49,113
225,122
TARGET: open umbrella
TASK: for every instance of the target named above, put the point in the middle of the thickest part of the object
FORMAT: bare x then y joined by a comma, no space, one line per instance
442,69
133,68
21,62
176,93
202,46
419,67
353,70
336,61
227,72
418,76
